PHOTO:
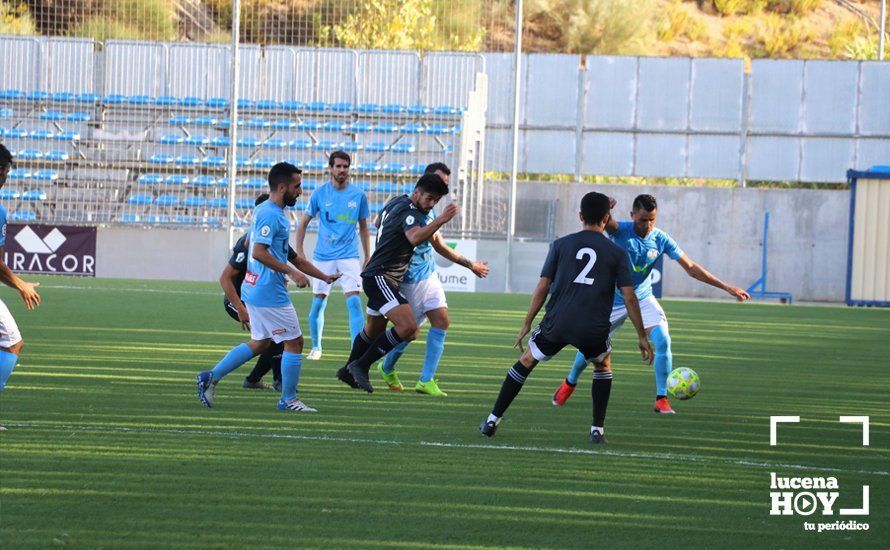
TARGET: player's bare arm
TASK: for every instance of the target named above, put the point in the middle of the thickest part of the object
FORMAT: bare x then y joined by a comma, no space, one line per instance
365,233
26,289
417,235
539,296
636,317
699,273
480,269
225,281
301,232
612,223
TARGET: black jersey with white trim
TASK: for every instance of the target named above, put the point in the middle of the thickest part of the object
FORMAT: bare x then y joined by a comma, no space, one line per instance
238,261
393,251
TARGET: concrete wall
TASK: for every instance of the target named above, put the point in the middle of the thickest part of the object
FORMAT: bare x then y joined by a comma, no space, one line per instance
722,229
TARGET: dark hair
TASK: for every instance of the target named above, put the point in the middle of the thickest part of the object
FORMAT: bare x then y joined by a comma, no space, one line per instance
261,198
645,202
431,183
437,167
594,207
5,156
339,155
282,173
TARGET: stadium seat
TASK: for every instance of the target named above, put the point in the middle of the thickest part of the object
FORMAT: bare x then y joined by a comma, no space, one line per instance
326,145
376,207
67,135
187,160
161,159
367,168
245,104
23,216
41,134
359,127
176,179
217,103
45,175
19,174
5,113
412,128
244,162
315,165
368,108
244,203
417,169
258,122
301,144
402,147
191,101
114,99
34,195
37,95
129,218
157,218
12,95
79,117
316,106
171,139
275,143
418,110
150,179
267,105
140,199
52,115
310,184
393,109
213,160
248,141
377,147
180,120
292,105
206,120
218,202
351,146
220,141
333,126
393,168
185,220
29,154
166,101
166,200
343,107
9,194
406,188
264,162
446,110
440,129
309,125
284,124
140,100
205,181
197,140
15,133
87,98
386,128
252,183
61,97
57,156
364,185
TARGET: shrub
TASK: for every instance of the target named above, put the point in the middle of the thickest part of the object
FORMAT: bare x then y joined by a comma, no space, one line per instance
16,19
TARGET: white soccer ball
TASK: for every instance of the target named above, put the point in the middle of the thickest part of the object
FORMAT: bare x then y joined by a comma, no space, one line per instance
683,383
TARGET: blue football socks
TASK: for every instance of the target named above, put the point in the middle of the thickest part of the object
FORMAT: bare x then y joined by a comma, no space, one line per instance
435,345
389,362
356,316
316,320
7,363
577,368
234,359
663,363
291,365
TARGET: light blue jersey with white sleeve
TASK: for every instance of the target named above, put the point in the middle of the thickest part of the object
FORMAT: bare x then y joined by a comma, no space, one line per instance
643,252
423,264
263,286
2,225
338,211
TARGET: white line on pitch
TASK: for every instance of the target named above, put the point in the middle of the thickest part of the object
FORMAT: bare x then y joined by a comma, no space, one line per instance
555,450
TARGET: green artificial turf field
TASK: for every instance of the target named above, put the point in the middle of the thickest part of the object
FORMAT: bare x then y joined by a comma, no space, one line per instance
108,445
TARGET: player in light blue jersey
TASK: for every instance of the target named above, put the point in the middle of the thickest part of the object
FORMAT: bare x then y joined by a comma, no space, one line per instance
339,207
426,297
10,338
644,244
270,311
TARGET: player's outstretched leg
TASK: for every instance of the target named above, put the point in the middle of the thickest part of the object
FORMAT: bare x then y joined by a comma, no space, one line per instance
600,391
435,345
564,391
316,325
208,379
510,388
662,365
387,368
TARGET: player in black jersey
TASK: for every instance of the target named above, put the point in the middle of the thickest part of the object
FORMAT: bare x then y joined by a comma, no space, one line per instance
580,273
402,228
231,280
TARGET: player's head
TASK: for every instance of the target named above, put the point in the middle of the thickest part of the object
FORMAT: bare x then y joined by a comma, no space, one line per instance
285,179
595,209
440,169
428,192
645,210
5,164
339,162
261,198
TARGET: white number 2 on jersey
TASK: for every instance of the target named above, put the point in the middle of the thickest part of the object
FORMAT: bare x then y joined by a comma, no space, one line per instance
582,278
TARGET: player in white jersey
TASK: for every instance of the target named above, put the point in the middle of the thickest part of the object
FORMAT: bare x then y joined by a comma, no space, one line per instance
426,297
10,338
271,313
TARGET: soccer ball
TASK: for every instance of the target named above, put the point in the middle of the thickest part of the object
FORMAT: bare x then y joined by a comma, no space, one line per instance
683,383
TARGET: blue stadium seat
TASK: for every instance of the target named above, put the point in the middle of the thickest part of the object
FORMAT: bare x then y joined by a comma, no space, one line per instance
87,98
301,144
243,162
171,139
5,113
316,106
292,105
406,188
264,162
446,110
61,97
19,174
166,101
12,94
57,156
418,110
333,126
193,201
315,165
67,135
166,200
310,184
217,103
176,179
393,168
197,140
9,194
37,95
140,100
412,128
23,216
368,108
52,115
402,147
34,195
326,145
187,160
185,220
150,179
140,199
205,181
252,183
343,107
206,120
267,105
258,122
45,175
417,169
364,185
161,159
244,103
220,141
248,141
157,218
377,147
15,133
213,160
284,124
351,146
393,109
447,150
386,128
440,129
310,125
218,202
359,127
41,134
180,120
79,117
29,154
275,143
367,168
384,187
244,203
191,101
129,218
376,207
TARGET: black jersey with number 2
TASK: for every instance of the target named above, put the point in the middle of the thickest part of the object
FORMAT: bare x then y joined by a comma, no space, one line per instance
585,269
393,251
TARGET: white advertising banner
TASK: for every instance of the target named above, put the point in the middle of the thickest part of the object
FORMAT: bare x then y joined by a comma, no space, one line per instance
456,278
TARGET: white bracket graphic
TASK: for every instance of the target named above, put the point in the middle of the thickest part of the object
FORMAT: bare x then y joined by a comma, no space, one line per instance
773,420
859,420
